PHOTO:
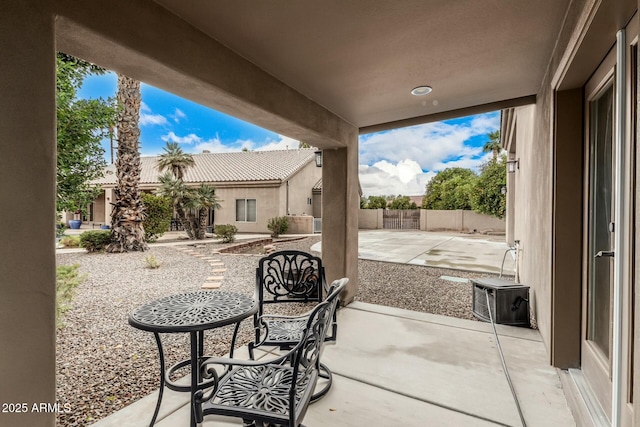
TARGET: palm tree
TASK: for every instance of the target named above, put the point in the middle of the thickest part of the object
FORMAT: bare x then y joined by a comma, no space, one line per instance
175,159
127,231
493,145
177,191
201,200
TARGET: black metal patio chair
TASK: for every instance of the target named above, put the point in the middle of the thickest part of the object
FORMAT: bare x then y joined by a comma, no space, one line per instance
289,277
273,392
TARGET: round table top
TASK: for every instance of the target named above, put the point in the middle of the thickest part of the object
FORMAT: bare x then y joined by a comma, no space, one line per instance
193,311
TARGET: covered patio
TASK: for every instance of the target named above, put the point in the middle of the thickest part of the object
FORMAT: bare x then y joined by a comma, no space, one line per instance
323,73
395,367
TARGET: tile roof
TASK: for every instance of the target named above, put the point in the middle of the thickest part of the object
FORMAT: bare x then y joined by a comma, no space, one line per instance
243,166
318,185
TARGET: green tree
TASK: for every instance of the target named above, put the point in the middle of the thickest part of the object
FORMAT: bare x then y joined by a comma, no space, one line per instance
400,202
304,145
363,202
450,189
493,145
199,201
159,211
81,125
377,202
175,189
175,160
127,230
487,197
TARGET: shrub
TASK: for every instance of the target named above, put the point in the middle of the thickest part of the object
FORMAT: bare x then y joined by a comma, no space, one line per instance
152,262
60,229
67,280
95,240
278,225
70,241
226,232
159,211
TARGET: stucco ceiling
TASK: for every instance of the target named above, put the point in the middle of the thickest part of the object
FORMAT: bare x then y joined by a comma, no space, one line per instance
361,58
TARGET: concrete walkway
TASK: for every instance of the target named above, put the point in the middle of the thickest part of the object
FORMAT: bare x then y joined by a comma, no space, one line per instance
470,252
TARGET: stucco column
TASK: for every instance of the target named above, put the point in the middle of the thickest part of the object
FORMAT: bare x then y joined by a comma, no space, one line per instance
27,217
340,204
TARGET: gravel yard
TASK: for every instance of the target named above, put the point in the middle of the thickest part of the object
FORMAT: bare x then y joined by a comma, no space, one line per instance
103,364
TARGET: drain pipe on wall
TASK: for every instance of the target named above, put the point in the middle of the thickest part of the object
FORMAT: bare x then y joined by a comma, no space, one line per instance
617,399
287,208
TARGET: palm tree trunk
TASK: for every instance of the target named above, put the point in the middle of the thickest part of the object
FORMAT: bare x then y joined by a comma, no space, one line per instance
186,222
202,226
127,231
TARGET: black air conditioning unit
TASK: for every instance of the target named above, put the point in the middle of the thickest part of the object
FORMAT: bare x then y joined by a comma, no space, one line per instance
508,301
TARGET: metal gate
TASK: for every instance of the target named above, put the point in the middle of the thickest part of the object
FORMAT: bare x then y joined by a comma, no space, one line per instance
396,219
317,225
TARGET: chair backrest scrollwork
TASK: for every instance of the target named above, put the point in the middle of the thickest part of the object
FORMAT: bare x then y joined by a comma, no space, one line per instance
290,276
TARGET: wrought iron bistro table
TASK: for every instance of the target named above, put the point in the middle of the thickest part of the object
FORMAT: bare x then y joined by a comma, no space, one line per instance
193,312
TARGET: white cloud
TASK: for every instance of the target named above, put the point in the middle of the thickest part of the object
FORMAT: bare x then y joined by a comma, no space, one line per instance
393,162
152,119
432,145
148,118
177,115
385,178
214,145
192,138
284,143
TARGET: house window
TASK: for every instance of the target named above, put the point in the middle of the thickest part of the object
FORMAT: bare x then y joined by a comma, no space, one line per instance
308,200
246,210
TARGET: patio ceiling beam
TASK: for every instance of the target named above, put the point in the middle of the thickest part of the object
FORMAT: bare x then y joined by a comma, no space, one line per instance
451,114
145,41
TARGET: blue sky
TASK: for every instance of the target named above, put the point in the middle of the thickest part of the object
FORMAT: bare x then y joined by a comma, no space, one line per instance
399,161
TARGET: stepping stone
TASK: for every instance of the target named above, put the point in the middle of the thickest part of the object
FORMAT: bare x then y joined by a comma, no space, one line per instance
211,285
218,270
212,259
215,278
217,264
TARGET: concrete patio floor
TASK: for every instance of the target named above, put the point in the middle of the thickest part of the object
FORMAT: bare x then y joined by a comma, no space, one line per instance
395,367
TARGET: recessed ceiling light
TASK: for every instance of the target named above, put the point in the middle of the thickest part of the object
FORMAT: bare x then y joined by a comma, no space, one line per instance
421,90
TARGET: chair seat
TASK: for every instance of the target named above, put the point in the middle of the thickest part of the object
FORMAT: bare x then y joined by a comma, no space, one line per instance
285,330
263,391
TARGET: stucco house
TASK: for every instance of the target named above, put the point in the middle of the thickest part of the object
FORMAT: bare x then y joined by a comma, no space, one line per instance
566,72
252,186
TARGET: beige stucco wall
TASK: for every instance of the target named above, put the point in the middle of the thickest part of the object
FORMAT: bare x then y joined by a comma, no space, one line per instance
435,220
533,201
480,222
99,209
300,189
268,205
370,219
27,167
300,224
442,220
317,205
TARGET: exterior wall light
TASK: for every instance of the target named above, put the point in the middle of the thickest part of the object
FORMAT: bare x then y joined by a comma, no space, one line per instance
319,158
513,165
